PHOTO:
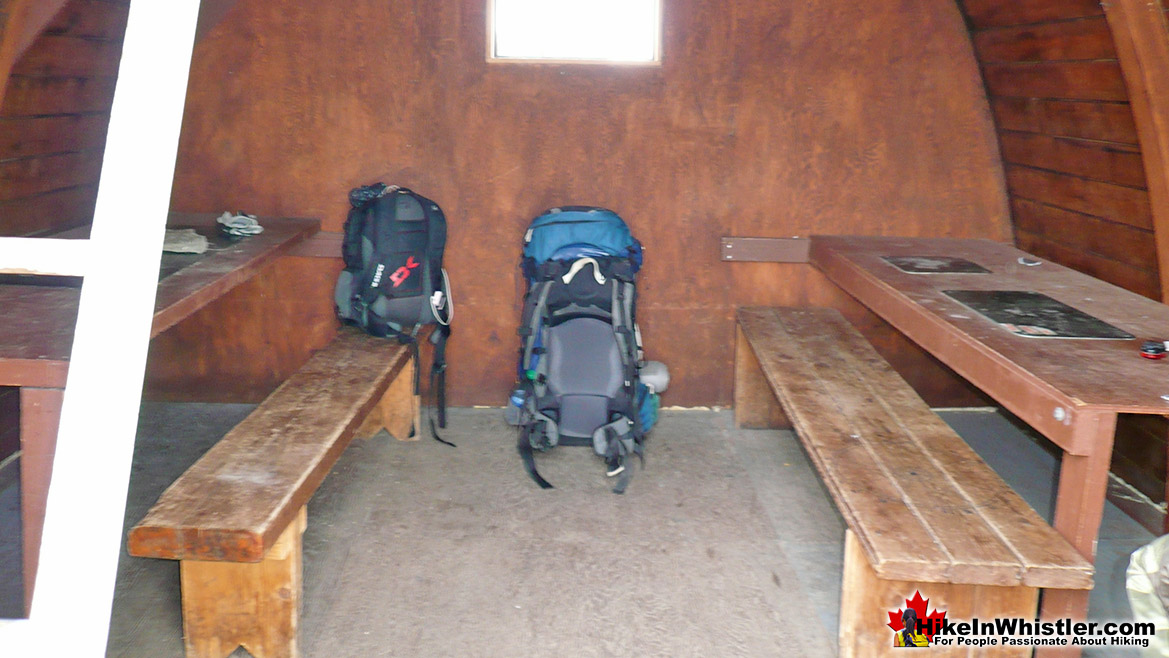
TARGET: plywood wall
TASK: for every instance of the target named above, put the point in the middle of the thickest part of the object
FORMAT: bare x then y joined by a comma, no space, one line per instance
54,117
765,119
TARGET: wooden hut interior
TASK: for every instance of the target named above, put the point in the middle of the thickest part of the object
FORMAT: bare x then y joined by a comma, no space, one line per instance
1039,124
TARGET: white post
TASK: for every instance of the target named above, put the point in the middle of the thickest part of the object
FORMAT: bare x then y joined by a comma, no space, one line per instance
71,604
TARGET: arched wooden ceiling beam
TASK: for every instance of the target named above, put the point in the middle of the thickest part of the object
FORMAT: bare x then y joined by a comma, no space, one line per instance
22,21
26,19
1141,33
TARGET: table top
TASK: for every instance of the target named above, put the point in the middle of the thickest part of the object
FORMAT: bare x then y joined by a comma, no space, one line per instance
37,322
1045,380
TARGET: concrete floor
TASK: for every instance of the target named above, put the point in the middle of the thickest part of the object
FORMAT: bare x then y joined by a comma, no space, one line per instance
725,545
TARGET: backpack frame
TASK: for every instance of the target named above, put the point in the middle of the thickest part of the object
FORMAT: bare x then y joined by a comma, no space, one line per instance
580,293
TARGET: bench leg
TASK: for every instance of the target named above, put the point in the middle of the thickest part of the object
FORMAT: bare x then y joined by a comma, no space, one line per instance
755,403
866,601
399,410
254,605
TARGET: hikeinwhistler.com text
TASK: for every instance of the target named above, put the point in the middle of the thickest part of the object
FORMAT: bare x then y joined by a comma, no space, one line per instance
1018,632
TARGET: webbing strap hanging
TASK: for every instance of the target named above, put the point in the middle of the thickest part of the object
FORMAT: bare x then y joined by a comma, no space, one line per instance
534,322
623,480
524,446
626,473
621,320
438,381
437,378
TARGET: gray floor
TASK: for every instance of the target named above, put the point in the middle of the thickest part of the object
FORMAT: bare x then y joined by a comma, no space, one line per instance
726,544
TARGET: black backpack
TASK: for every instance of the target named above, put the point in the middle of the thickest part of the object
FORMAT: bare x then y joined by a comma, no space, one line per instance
393,282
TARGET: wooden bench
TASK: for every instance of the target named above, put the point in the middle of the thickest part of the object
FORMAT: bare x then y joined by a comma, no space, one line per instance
234,519
924,512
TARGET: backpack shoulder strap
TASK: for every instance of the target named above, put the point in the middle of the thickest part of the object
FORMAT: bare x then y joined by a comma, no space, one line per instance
361,200
351,251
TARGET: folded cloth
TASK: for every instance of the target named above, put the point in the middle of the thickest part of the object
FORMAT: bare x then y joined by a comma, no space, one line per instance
239,224
183,241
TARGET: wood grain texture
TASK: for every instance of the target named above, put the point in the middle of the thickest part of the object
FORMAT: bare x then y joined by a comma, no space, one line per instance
36,332
227,605
93,19
273,318
1106,122
1141,32
891,463
24,178
195,286
1078,39
1140,456
754,402
866,599
37,96
766,250
30,136
55,112
1132,278
59,55
763,120
1119,164
1061,78
234,502
399,410
1079,375
1094,80
1112,202
24,20
1001,13
1089,237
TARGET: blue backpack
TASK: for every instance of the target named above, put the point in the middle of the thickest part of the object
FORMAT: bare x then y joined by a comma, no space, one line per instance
580,360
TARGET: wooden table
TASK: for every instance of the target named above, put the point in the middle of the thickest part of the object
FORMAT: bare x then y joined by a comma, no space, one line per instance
1069,389
36,337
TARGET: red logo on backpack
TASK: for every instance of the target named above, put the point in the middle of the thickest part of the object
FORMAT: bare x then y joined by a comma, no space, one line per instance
402,273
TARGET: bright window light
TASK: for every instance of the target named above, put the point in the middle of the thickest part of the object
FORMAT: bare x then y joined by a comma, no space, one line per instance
604,31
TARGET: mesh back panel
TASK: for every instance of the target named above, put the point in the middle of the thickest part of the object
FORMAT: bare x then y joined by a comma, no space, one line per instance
584,370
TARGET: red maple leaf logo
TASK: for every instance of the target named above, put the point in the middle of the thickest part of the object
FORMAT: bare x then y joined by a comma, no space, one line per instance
931,622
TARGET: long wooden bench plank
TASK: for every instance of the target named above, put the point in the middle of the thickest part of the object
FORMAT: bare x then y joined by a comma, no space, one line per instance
965,525
976,553
843,461
1046,562
234,502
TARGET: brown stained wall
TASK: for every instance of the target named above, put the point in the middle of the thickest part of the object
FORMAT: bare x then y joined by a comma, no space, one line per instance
765,119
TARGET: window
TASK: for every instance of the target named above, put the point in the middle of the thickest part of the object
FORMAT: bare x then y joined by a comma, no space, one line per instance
597,31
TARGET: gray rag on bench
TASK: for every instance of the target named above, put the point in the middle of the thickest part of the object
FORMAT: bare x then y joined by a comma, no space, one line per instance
184,241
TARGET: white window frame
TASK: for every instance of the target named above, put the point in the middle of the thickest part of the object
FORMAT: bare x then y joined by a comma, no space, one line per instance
654,62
